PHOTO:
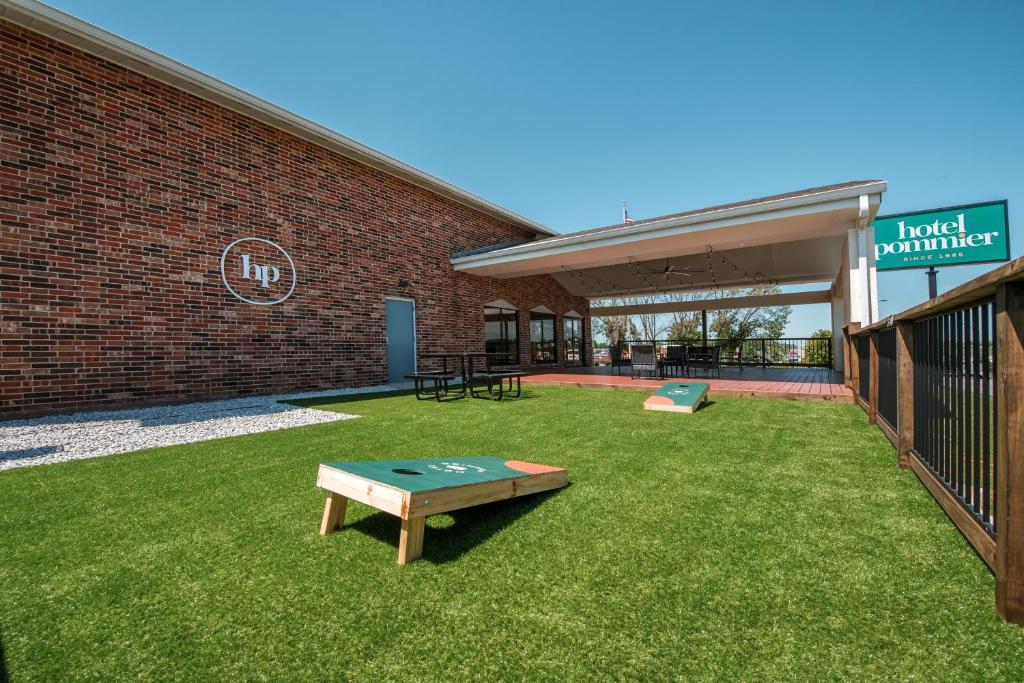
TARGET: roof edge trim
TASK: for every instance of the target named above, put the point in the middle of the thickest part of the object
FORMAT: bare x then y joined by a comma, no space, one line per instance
82,35
581,239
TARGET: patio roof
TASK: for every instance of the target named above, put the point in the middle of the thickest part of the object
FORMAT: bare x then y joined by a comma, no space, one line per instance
794,237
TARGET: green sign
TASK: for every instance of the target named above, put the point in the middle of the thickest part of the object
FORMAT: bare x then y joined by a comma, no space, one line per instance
973,233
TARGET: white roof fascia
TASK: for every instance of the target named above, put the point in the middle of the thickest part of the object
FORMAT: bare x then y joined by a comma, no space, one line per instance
779,208
66,28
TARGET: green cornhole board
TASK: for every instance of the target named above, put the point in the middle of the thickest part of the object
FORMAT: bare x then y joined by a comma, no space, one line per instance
678,397
413,489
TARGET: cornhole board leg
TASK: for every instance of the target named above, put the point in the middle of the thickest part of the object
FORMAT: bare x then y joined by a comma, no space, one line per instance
410,542
334,513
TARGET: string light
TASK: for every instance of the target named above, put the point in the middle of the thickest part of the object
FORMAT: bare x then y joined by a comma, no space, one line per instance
596,286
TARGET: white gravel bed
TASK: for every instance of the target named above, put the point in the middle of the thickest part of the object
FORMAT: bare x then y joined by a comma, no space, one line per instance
58,438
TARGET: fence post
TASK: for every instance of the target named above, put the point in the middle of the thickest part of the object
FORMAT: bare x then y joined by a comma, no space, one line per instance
905,391
854,363
873,378
1009,422
849,355
764,357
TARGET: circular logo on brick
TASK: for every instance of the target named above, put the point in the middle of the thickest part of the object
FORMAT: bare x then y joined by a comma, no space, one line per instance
257,271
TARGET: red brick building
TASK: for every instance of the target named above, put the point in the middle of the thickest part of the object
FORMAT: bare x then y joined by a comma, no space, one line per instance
125,178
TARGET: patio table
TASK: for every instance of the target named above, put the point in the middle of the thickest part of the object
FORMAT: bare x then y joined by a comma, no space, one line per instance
465,359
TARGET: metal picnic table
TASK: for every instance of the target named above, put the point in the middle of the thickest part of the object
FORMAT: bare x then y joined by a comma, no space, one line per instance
466,359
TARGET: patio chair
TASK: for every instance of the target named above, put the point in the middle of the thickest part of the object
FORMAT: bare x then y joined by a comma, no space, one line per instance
675,357
642,358
707,357
617,360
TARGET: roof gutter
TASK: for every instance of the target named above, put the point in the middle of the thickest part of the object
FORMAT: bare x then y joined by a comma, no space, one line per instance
68,29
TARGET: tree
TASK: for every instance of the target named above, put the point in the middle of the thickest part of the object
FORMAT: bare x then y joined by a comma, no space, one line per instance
732,324
819,348
615,329
651,326
745,323
685,326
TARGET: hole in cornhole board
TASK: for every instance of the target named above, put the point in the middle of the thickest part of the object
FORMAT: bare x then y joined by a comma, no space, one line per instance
402,470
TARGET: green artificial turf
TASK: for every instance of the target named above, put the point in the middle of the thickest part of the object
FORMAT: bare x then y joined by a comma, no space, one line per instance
755,540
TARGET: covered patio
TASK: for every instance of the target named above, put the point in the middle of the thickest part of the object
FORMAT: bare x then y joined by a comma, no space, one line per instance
817,235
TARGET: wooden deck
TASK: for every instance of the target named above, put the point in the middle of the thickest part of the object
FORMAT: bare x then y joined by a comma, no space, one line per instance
796,383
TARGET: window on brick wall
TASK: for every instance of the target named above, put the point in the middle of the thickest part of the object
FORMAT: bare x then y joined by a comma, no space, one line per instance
501,333
573,333
543,348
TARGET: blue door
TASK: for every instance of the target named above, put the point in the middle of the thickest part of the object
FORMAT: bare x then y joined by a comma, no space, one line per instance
401,322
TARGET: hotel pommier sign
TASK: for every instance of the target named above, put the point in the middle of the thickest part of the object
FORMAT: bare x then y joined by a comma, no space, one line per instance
957,235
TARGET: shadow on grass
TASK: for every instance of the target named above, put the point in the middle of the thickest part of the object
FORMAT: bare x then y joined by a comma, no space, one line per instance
472,526
4,678
525,395
348,398
355,398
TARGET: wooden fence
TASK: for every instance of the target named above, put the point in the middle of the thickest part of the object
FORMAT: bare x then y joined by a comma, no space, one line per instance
944,381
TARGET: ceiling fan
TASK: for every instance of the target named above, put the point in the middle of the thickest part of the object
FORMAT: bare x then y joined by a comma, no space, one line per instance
671,270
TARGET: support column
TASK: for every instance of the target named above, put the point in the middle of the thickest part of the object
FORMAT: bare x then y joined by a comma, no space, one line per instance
838,311
905,391
860,262
1009,421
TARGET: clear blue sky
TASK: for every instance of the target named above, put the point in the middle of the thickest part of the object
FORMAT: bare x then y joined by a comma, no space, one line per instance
559,111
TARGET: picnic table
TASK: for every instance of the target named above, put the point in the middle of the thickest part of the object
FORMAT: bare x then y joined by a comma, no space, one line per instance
465,359
466,371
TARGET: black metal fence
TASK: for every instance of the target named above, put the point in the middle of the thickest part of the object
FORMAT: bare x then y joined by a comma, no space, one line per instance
888,405
864,367
787,351
960,375
955,404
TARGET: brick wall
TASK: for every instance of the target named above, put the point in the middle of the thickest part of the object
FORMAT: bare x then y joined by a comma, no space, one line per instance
118,195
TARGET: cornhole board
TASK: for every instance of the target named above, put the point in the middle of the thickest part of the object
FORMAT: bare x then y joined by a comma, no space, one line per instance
413,489
678,397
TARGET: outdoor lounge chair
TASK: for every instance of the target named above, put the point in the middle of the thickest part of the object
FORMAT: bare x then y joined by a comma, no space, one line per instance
675,357
642,358
707,357
615,353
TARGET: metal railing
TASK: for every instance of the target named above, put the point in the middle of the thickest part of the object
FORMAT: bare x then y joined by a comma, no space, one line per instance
864,367
944,381
785,351
954,400
888,406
